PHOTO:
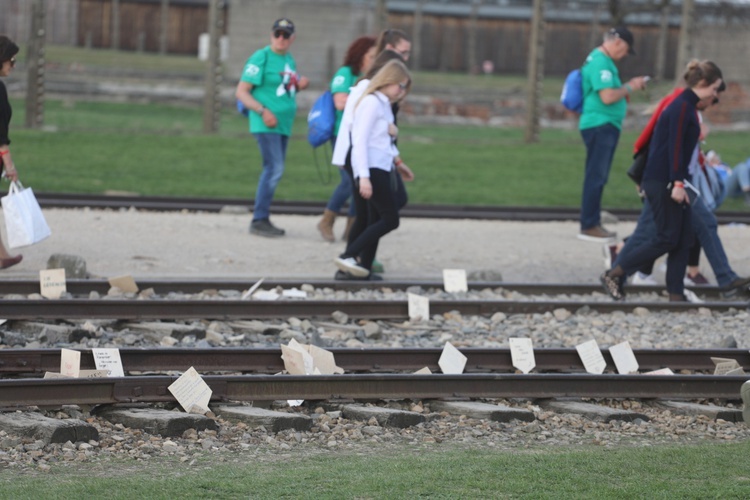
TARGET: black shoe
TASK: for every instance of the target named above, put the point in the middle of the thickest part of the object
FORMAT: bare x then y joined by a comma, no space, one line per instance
263,227
732,290
612,285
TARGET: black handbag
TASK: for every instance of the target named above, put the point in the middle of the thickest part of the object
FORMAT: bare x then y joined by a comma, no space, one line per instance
635,172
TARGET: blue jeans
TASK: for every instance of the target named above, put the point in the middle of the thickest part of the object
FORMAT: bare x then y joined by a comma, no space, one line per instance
706,230
341,194
738,180
668,230
601,143
273,152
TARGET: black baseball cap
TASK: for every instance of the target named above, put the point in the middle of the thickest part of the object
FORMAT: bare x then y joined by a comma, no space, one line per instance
624,34
283,24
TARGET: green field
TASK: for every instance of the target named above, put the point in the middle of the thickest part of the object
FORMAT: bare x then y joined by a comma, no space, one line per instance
157,149
706,471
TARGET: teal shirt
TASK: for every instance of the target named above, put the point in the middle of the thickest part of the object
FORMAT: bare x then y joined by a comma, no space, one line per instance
274,80
599,72
342,81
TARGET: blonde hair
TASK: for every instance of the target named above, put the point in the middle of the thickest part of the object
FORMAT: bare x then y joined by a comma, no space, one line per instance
394,71
697,71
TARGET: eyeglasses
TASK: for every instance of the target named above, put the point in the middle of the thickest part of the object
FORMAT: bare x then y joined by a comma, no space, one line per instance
280,33
403,86
12,62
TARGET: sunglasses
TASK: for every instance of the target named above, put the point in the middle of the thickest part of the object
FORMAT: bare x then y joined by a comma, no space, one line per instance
280,33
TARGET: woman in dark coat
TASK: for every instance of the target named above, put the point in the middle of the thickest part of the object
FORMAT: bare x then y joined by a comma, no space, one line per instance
8,51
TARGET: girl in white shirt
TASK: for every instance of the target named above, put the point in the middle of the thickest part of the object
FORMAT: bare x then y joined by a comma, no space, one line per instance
372,157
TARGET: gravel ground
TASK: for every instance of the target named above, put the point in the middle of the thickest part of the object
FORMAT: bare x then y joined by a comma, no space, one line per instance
151,245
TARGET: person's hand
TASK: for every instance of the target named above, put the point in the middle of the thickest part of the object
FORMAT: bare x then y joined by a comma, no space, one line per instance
303,82
638,83
405,171
269,119
365,188
392,130
679,195
9,169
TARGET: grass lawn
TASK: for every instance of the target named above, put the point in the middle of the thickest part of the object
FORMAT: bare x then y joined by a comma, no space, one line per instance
706,471
158,149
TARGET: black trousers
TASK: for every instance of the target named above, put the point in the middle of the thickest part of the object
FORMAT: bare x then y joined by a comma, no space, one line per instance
376,217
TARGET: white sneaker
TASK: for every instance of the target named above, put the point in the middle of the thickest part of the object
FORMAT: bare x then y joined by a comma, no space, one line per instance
692,297
351,265
640,279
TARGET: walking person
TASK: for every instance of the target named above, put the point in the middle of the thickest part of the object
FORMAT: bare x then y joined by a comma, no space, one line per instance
358,60
671,149
604,108
395,40
372,158
268,89
8,51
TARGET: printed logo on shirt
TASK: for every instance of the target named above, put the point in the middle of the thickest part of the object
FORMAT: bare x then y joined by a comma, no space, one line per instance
251,70
339,80
289,82
605,76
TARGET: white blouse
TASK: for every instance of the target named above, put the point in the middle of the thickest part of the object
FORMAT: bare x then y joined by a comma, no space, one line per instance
342,139
372,145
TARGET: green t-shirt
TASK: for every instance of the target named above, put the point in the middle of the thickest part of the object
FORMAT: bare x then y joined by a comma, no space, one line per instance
342,81
599,72
274,80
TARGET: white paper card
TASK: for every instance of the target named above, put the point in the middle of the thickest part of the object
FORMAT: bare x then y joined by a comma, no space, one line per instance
55,375
423,371
109,360
624,358
52,283
323,361
522,354
297,360
70,362
295,402
660,371
452,361
191,392
591,357
454,280
252,289
727,368
92,374
419,307
125,283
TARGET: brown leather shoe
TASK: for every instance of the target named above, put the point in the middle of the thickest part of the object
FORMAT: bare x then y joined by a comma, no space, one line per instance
596,234
10,261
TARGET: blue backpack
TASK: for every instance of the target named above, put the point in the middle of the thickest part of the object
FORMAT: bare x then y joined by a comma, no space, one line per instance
572,92
321,120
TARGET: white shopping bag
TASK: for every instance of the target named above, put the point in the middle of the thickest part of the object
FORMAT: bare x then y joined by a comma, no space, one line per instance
24,221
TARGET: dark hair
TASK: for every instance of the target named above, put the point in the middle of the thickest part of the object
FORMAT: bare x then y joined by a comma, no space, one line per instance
356,53
698,71
390,37
8,49
381,60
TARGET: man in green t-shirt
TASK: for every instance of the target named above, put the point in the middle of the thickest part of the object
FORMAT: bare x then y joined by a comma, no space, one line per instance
604,106
268,89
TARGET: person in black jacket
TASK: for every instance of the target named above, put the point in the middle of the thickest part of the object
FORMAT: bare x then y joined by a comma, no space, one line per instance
8,51
672,145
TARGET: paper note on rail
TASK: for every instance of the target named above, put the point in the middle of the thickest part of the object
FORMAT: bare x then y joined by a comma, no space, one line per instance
191,392
522,354
591,357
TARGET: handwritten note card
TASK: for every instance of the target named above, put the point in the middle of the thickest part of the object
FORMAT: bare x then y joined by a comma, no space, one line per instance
591,357
454,280
522,354
191,392
624,358
109,360
419,307
52,283
452,361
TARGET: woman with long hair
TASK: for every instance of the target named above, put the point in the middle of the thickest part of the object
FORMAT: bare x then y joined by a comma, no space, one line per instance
8,51
358,60
373,155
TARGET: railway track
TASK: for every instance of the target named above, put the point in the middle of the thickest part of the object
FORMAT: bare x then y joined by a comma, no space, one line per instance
166,308
17,362
480,379
67,200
